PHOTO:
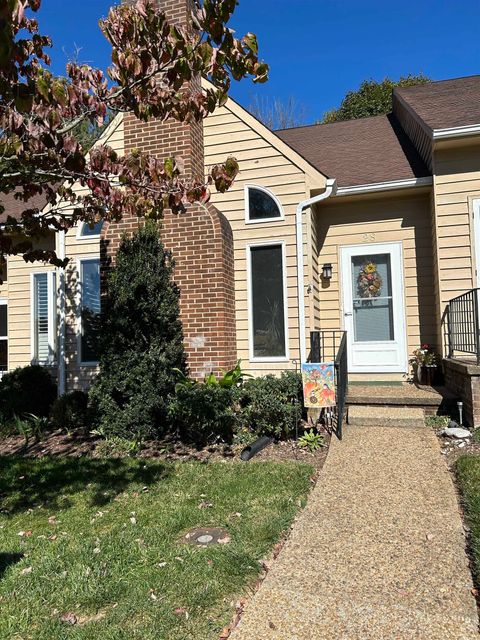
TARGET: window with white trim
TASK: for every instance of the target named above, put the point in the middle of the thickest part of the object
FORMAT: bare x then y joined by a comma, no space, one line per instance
267,301
44,317
261,205
3,336
90,231
89,309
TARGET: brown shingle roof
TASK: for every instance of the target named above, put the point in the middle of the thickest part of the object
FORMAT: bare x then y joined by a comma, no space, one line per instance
14,207
356,152
445,104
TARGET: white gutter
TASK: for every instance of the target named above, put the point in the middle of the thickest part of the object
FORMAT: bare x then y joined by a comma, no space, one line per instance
456,132
330,189
385,186
61,315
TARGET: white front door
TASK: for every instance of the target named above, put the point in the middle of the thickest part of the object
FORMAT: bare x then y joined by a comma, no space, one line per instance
374,308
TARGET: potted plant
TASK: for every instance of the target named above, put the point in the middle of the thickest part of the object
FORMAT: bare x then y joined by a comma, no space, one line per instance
424,364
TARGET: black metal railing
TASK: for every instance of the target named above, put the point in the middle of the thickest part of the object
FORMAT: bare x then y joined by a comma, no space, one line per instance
462,325
331,346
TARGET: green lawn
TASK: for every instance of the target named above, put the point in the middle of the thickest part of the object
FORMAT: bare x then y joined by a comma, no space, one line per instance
100,539
468,475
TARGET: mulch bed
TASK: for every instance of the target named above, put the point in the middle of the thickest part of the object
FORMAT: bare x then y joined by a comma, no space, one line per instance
59,443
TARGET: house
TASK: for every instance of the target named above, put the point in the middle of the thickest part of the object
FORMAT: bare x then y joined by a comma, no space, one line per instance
288,249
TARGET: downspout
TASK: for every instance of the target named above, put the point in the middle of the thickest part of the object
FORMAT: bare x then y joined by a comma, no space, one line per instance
61,315
330,189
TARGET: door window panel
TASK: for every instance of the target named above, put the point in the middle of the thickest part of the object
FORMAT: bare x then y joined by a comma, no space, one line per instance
372,298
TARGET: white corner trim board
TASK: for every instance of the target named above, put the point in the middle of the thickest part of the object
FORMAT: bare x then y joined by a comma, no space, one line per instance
385,186
330,189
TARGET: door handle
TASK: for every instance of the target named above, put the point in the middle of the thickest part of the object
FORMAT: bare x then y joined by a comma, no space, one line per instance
348,313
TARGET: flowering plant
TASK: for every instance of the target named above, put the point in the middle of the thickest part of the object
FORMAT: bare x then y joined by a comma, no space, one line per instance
369,281
424,356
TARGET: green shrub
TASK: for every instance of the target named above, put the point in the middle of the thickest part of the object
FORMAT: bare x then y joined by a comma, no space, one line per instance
26,390
203,413
140,342
71,411
271,405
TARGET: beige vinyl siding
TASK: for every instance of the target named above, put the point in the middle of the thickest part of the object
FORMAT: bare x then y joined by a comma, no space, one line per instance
79,376
261,163
19,305
456,185
405,219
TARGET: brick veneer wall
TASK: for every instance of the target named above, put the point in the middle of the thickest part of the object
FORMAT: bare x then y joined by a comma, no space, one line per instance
200,239
464,380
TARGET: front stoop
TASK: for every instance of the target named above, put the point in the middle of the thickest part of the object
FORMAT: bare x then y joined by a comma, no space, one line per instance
433,400
376,416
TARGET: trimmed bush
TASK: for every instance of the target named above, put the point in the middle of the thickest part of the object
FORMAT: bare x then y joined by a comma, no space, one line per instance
25,390
140,342
271,405
71,411
202,413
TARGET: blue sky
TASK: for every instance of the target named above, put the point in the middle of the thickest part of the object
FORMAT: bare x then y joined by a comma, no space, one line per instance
317,49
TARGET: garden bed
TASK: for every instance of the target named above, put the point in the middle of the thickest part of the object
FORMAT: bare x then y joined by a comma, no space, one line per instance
93,547
58,443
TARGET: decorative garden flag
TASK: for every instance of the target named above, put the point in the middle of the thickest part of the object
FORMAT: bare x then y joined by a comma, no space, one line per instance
319,384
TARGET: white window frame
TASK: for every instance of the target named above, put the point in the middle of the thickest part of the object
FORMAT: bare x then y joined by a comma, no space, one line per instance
247,205
249,247
80,261
4,303
93,238
52,317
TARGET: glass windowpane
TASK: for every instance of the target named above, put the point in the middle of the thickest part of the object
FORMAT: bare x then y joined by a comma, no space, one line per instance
268,302
90,309
261,205
372,298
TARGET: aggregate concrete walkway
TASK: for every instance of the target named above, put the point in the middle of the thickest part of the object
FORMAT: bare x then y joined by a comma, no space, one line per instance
378,552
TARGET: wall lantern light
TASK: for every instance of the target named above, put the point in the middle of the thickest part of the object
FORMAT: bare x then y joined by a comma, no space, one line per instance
327,271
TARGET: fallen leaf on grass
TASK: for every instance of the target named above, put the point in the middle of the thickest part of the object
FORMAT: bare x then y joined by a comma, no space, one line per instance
26,571
52,537
25,534
180,611
161,564
52,520
225,633
69,618
205,505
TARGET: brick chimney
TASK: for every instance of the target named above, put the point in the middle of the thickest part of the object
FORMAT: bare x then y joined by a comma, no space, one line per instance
200,239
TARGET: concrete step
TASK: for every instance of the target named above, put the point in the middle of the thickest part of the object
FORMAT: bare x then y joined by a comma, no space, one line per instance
434,400
375,416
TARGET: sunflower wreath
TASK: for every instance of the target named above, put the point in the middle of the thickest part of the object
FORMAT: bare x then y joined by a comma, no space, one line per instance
369,281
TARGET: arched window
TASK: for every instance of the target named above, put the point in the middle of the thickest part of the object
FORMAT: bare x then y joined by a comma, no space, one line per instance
87,231
261,205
